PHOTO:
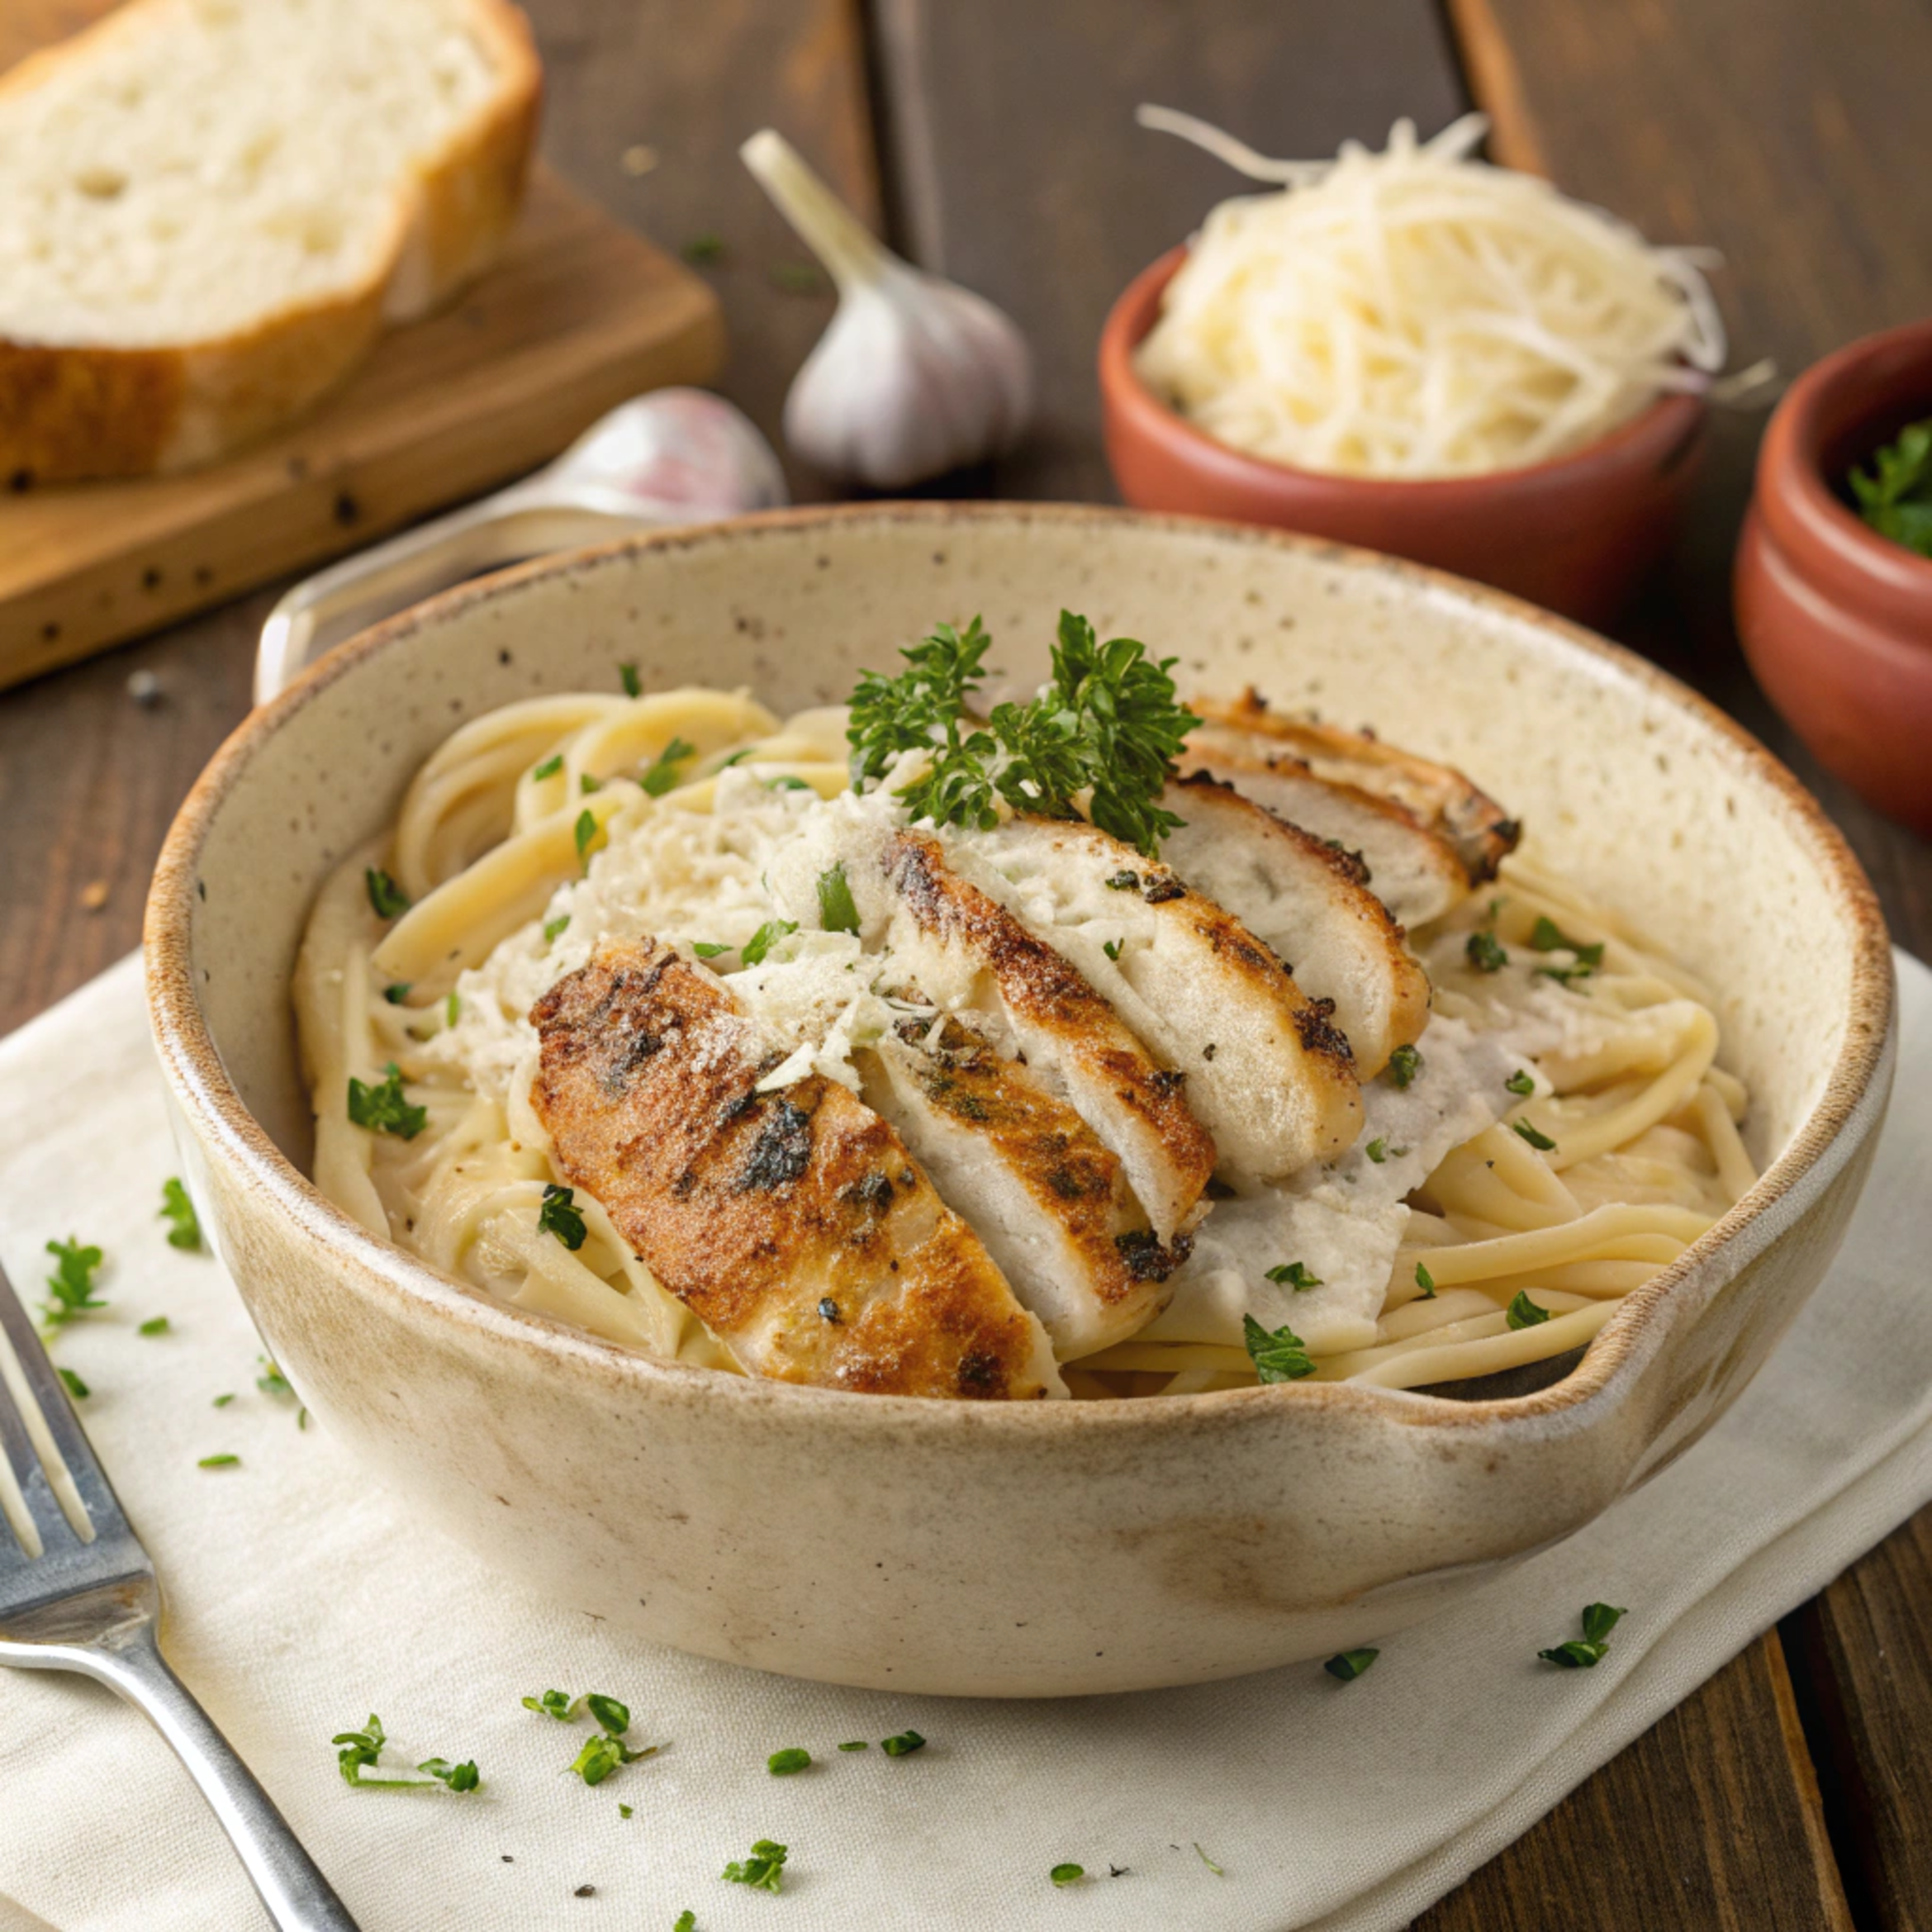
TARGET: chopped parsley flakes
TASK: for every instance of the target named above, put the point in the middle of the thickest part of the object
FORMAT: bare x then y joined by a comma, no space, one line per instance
1295,1275
1484,954
560,1216
70,1287
178,1211
74,1385
838,912
218,1462
155,1324
550,767
708,948
1347,1665
1525,1130
1521,1081
660,775
763,1870
558,1704
754,949
585,832
387,898
1586,1652
604,1753
553,929
628,676
784,1763
1404,1064
903,1745
384,1109
1426,1281
1067,1874
360,1749
1525,1313
1377,1150
1278,1356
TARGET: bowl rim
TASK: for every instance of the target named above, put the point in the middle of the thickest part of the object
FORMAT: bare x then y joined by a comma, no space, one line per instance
1797,502
201,1088
1674,417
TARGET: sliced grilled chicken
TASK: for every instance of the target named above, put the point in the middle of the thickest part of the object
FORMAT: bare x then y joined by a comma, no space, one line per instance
1268,1074
1306,900
795,1223
1049,1201
963,949
1440,798
1416,873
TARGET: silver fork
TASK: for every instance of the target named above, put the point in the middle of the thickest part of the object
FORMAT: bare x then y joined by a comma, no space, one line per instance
92,1604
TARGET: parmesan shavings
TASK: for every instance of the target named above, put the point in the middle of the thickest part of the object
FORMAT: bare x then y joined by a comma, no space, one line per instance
1418,313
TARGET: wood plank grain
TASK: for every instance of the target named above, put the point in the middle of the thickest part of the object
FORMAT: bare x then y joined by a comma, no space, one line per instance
647,102
1676,1832
579,315
1785,135
1009,127
1865,1648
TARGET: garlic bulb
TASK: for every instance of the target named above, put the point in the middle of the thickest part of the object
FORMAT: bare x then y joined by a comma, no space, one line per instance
916,375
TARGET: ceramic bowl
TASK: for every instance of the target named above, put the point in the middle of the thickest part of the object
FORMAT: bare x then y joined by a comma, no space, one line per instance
1575,535
1036,1548
1835,619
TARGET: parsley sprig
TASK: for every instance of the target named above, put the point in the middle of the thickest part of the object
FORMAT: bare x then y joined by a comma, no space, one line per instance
1106,729
1896,498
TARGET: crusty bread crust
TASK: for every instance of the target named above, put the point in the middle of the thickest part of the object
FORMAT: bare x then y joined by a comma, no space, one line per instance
71,413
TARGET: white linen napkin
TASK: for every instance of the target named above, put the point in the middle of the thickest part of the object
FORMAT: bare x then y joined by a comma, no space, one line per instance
303,1599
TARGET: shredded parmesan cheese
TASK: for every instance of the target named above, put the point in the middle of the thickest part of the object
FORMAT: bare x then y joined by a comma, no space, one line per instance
1417,313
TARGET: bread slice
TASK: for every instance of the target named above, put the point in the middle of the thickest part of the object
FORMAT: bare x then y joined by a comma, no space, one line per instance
212,207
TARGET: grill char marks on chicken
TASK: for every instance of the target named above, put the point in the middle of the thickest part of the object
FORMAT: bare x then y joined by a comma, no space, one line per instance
1048,1199
794,1224
1307,901
1279,1089
951,938
1441,799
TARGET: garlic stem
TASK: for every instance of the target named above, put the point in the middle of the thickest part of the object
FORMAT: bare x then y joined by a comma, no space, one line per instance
852,255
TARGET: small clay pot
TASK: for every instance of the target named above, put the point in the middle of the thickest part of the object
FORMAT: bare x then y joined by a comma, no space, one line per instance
1575,534
1837,620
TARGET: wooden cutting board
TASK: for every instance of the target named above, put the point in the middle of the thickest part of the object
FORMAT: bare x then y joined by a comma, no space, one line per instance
577,314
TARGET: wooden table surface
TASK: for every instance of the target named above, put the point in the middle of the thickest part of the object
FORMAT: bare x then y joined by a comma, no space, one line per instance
996,141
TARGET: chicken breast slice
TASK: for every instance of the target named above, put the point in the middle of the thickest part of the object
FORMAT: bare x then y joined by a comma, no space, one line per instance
1441,799
1306,900
1416,873
1049,1201
1268,1074
963,950
795,1223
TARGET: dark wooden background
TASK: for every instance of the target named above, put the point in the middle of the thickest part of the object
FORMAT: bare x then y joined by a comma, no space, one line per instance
994,140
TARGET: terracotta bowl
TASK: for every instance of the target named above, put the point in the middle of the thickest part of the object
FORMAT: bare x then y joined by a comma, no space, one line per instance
1038,1549
1837,620
1574,535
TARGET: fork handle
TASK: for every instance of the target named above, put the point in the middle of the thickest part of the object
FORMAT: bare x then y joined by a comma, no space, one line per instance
291,1885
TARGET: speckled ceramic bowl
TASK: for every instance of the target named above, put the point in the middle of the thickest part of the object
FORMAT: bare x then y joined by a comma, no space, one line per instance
1044,1548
